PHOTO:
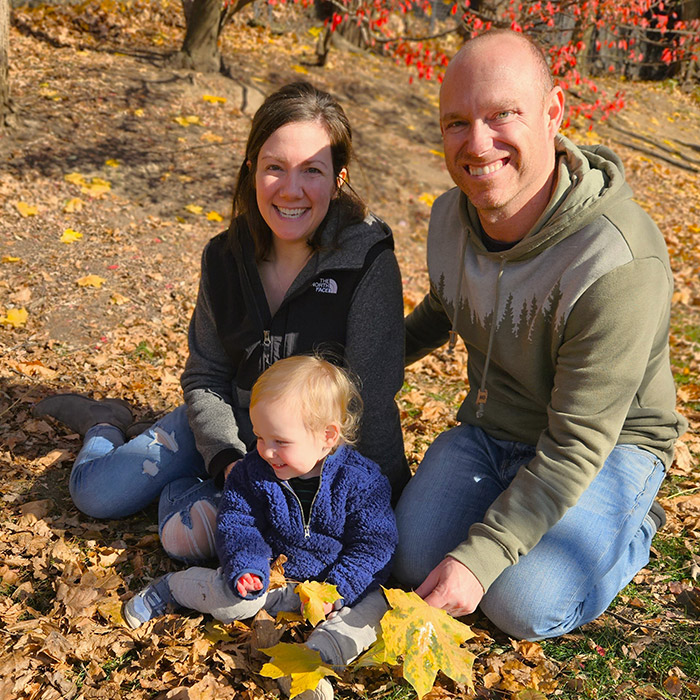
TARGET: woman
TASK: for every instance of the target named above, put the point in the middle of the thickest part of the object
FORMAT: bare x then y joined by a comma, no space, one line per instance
302,268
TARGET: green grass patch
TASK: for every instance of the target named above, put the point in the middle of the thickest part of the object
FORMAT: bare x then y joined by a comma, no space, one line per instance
611,663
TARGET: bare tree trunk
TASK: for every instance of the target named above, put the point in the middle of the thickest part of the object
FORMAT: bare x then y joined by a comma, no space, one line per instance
6,108
200,50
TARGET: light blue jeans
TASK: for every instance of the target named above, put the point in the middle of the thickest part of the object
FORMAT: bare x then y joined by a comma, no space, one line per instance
112,478
339,639
572,575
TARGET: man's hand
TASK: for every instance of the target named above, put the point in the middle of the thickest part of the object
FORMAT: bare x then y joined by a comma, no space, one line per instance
452,587
247,584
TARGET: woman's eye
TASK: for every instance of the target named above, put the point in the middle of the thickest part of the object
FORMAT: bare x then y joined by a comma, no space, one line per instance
314,171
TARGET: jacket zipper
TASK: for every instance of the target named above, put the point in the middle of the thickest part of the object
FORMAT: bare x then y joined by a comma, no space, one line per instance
267,350
307,525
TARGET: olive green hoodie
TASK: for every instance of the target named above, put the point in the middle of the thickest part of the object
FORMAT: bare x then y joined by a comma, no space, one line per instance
567,341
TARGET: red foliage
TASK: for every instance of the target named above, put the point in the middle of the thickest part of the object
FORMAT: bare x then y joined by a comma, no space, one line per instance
614,32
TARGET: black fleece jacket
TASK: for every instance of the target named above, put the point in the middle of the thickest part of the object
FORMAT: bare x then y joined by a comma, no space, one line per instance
346,303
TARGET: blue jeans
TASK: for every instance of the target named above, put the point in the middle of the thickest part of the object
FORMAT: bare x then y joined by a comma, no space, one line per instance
112,478
576,569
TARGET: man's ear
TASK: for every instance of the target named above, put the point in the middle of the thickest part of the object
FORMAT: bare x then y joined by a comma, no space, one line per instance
331,435
555,109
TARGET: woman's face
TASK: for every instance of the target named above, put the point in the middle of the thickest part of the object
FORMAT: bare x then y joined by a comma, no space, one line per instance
294,180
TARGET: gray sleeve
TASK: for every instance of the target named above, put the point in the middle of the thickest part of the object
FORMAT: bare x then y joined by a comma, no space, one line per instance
427,327
374,351
207,383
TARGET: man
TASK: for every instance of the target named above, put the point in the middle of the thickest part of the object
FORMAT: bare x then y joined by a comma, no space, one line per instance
537,506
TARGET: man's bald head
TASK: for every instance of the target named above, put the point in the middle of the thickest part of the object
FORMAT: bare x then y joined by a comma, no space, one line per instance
504,38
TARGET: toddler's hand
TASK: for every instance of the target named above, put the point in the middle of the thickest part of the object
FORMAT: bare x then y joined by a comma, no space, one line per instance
327,608
248,583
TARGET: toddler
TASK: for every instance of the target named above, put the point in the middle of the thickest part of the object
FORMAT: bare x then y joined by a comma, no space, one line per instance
307,494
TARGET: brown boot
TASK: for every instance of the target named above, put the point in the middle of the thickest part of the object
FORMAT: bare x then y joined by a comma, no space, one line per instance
80,413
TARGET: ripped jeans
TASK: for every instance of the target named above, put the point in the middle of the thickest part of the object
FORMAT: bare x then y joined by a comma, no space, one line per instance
112,478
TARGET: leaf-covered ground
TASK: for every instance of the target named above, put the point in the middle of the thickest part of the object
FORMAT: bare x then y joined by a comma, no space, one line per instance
119,171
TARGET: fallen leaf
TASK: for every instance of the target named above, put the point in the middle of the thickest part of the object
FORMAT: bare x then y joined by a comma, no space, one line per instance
26,209
70,236
118,299
213,99
10,259
14,318
194,208
313,595
214,216
91,281
304,665
73,205
112,163
428,639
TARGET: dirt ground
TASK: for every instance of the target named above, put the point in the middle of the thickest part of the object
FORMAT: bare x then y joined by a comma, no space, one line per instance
138,161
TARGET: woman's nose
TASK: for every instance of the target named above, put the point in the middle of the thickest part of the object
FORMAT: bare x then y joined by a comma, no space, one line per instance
291,185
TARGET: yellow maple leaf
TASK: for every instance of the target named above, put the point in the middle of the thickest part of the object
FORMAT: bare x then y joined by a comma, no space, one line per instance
188,120
213,99
118,299
69,236
75,178
10,259
315,32
304,665
138,112
215,632
73,205
428,639
300,69
211,138
427,198
313,595
214,216
112,163
97,186
14,318
91,281
694,229
194,208
26,209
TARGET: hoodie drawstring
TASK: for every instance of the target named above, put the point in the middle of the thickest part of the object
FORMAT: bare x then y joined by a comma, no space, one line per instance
483,393
460,278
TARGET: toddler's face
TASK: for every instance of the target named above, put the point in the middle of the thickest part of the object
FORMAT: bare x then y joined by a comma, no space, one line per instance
285,443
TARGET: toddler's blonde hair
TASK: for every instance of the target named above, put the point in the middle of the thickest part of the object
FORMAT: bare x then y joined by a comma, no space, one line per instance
323,392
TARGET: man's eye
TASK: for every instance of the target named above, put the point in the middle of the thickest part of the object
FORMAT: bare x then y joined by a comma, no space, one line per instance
504,114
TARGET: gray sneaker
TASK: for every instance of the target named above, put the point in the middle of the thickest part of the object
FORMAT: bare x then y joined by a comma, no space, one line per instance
153,601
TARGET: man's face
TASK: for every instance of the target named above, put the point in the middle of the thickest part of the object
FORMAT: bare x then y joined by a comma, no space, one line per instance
498,128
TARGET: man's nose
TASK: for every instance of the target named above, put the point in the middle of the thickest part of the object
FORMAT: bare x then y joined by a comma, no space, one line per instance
479,138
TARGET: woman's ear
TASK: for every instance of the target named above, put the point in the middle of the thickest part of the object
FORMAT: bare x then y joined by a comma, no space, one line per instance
342,177
331,435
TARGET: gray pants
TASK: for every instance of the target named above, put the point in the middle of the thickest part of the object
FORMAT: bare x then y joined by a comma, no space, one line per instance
338,640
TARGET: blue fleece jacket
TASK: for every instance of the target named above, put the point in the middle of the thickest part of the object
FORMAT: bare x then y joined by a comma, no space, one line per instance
349,540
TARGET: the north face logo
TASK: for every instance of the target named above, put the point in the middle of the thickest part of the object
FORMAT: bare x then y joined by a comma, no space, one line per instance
326,286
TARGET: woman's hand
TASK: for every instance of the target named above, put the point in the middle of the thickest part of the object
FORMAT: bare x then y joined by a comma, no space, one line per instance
248,583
